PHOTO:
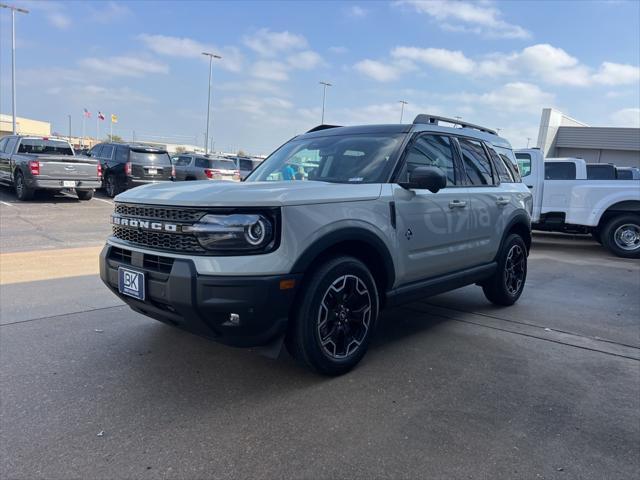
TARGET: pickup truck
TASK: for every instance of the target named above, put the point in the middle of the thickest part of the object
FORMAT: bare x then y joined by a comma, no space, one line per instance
566,199
29,163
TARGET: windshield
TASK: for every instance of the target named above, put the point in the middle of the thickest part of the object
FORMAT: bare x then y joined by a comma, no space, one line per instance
146,157
42,146
336,158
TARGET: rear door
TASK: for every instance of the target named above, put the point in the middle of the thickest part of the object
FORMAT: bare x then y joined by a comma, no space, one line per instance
150,164
432,228
485,199
183,165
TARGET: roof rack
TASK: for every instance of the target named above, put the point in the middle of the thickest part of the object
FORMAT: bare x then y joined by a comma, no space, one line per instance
322,127
423,118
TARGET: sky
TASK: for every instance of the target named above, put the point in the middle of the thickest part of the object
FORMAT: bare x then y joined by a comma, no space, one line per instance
493,63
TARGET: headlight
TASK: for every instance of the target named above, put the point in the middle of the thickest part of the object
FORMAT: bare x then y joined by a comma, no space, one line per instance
240,232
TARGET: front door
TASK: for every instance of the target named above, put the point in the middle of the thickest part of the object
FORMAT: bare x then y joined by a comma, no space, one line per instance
432,228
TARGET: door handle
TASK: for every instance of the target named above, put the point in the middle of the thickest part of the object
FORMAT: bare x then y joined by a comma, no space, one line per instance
457,204
502,201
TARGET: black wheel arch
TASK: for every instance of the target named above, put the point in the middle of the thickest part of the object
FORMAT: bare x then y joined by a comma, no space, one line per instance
620,208
357,242
520,224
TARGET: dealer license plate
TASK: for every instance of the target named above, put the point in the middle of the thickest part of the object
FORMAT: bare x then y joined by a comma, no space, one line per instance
153,171
68,183
131,283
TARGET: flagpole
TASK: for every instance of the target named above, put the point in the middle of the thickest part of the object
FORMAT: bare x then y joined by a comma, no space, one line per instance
98,127
111,134
82,140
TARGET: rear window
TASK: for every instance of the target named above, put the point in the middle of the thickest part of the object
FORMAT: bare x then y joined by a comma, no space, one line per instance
153,157
223,164
559,171
601,172
246,164
42,146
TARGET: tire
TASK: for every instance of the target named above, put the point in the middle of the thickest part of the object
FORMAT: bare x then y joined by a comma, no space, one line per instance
621,236
22,191
507,283
84,194
111,186
335,317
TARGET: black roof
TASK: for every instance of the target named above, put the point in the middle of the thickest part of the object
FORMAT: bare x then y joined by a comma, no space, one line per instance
358,129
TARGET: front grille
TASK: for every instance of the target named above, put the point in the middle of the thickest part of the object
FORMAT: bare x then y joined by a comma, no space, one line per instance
121,255
160,264
160,241
159,213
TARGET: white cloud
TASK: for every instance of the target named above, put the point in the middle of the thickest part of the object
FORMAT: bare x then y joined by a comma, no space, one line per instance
441,58
338,49
270,70
269,44
517,97
627,117
617,74
306,60
356,11
124,66
190,48
551,64
59,20
123,95
257,106
383,72
474,17
109,12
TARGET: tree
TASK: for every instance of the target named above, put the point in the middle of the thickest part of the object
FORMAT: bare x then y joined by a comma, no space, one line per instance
114,138
180,149
242,153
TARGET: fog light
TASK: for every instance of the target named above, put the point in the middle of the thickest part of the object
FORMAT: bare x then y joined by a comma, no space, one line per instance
234,318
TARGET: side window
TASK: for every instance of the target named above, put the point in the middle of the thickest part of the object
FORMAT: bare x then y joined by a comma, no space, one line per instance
3,143
476,164
11,145
202,163
122,154
559,171
107,152
601,172
246,164
503,172
524,163
183,161
431,151
95,151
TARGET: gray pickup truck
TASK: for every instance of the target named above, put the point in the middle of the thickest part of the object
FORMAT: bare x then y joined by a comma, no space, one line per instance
30,163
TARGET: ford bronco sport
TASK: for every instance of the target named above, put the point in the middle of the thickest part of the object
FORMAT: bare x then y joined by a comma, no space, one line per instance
335,225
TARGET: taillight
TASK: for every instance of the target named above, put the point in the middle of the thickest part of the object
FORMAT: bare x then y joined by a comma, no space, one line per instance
208,172
127,168
173,171
34,167
99,171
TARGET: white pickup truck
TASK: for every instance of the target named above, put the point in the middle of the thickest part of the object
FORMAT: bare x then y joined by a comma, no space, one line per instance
566,199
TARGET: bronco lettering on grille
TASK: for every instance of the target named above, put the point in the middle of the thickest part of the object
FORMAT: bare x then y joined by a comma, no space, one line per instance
139,224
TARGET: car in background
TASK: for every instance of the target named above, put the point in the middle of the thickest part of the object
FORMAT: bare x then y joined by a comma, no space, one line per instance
30,163
191,166
128,165
246,165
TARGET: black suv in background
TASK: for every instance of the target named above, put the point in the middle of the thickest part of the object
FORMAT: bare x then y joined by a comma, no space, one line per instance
128,165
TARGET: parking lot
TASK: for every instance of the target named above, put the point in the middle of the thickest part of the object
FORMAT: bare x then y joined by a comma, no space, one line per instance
452,387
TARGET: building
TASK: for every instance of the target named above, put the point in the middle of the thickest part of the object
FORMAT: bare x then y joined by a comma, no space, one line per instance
24,126
563,136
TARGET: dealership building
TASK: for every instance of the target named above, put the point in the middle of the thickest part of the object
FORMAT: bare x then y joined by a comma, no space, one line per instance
563,136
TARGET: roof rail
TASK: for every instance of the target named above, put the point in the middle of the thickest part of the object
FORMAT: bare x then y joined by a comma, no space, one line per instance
322,127
423,118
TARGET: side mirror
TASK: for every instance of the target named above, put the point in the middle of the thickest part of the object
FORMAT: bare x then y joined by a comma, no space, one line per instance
428,178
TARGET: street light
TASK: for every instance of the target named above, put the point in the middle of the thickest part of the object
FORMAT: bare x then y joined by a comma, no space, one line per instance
13,58
324,96
402,103
206,137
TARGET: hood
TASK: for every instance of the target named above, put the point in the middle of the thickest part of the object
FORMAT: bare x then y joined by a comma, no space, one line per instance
244,194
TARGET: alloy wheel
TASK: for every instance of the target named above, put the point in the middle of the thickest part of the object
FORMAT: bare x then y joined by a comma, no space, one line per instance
344,316
514,269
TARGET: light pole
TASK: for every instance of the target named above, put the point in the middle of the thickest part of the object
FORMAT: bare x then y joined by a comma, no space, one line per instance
13,59
324,96
206,137
402,104
528,140
69,128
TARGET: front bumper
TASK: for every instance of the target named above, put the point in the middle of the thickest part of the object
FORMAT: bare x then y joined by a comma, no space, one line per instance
55,184
202,304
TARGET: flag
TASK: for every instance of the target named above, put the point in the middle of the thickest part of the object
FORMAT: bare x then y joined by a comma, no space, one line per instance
101,115
86,113
114,118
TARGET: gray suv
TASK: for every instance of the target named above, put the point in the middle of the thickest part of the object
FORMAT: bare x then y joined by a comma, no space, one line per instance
190,166
335,225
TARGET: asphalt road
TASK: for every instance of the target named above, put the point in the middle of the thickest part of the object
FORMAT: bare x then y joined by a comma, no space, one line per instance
451,388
